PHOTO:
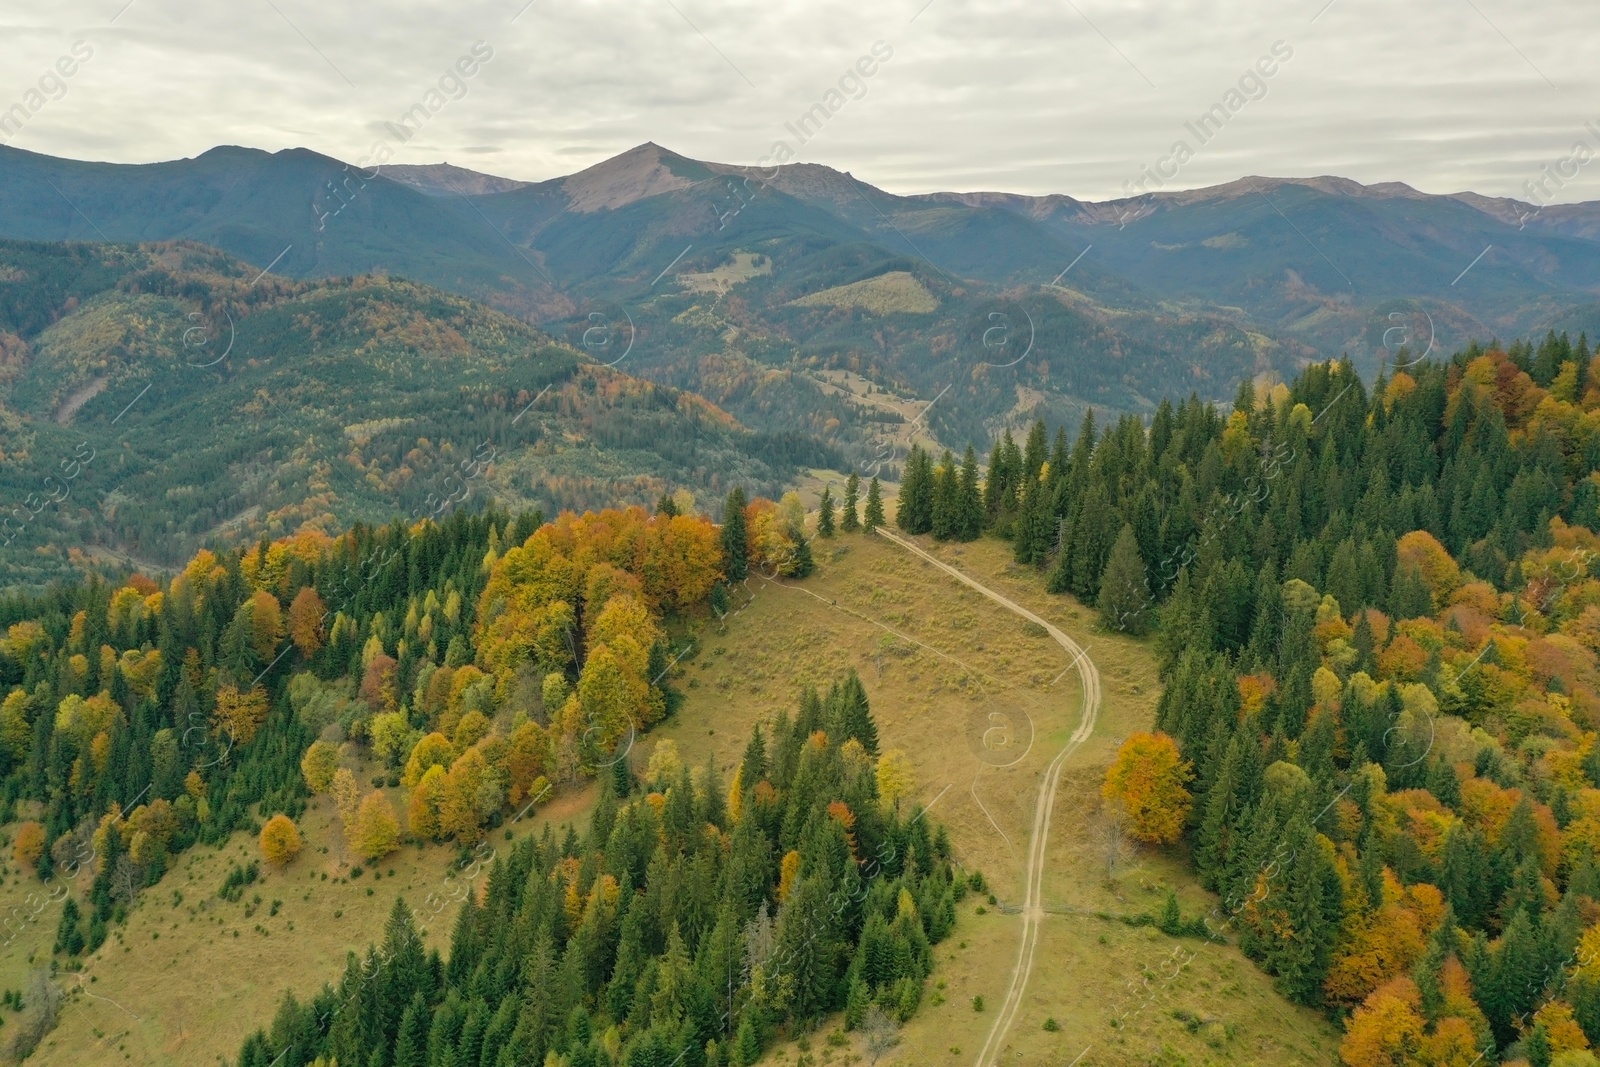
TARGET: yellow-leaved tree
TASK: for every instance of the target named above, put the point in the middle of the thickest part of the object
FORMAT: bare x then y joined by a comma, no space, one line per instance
434,750
462,807
895,776
1148,781
346,797
377,827
788,871
240,715
280,840
1386,1031
319,764
422,811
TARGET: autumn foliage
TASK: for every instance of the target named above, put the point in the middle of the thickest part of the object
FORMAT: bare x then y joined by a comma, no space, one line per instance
1147,781
240,714
305,621
377,829
595,583
280,840
318,765
29,844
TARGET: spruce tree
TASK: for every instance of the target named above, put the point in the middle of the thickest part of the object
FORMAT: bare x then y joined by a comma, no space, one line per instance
855,716
874,516
993,483
911,492
825,512
753,768
970,510
1124,590
801,564
850,516
946,498
735,537
915,512
1035,452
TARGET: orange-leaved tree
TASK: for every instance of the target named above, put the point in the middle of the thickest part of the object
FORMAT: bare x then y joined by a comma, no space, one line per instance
1386,1031
1148,780
305,621
1421,551
280,840
29,845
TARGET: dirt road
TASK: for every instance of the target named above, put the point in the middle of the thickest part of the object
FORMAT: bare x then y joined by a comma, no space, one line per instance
1033,898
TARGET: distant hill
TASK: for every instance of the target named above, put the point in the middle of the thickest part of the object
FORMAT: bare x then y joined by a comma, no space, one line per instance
159,397
1044,305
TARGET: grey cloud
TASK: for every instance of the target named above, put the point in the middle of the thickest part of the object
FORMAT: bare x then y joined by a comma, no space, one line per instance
1009,95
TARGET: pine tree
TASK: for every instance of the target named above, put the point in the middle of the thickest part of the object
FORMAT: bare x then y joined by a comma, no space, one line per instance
850,517
735,537
874,515
825,512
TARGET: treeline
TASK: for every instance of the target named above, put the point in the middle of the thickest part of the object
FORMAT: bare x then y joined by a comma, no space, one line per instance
692,923
1379,620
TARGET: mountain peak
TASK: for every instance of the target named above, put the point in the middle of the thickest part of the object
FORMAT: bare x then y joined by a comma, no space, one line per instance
642,171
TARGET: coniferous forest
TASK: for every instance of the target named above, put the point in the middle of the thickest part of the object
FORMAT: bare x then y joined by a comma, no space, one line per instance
689,923
1378,617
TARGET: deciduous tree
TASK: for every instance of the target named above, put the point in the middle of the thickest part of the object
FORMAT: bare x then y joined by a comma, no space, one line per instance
280,840
377,828
306,614
240,714
1148,780
319,764
29,843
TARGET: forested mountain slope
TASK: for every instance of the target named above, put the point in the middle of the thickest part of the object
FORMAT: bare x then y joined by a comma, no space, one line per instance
157,398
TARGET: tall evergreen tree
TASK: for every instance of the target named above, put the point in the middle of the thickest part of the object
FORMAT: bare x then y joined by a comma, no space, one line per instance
850,514
1124,590
946,520
969,511
874,509
735,537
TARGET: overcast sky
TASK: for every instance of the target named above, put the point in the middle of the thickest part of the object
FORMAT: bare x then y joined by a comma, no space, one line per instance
1033,96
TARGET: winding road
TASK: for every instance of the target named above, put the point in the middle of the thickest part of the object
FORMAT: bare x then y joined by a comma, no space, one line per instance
1033,899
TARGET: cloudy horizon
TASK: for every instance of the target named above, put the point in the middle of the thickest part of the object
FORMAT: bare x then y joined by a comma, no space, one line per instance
1085,99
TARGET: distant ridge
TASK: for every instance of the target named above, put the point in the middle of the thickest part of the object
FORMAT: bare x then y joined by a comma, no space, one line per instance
447,179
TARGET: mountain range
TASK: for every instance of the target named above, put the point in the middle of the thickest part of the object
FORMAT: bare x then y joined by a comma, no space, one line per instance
705,322
1023,306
